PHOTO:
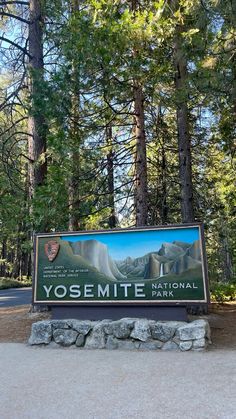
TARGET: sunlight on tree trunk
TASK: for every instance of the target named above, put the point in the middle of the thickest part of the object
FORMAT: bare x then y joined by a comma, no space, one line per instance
184,141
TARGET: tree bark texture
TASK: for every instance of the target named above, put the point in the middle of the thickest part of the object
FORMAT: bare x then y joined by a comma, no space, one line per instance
140,158
73,193
74,181
225,253
184,141
36,122
233,60
16,272
164,206
3,269
140,200
110,178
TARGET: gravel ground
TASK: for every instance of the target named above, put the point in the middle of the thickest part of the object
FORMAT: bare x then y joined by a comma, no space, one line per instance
46,383
39,383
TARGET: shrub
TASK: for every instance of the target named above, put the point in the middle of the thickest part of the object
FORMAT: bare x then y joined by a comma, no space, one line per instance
221,291
13,283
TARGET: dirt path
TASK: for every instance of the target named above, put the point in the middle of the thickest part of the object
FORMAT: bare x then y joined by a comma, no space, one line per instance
222,319
15,324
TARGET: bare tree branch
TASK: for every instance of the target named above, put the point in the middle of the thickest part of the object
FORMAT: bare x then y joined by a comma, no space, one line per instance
21,19
23,49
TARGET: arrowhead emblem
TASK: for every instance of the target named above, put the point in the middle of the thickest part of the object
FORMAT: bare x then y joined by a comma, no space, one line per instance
51,249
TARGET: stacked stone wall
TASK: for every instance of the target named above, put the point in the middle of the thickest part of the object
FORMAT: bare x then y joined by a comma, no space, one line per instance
127,333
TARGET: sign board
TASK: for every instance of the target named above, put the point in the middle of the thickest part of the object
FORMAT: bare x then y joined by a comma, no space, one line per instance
154,265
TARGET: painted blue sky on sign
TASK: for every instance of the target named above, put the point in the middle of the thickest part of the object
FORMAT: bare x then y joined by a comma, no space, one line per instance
137,243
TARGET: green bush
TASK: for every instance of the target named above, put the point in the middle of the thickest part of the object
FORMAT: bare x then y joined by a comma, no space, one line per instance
13,283
221,291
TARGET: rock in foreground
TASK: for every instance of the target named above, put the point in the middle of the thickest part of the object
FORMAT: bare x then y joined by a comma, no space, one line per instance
124,334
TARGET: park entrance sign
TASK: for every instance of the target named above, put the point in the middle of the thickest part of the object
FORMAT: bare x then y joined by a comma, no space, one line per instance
154,265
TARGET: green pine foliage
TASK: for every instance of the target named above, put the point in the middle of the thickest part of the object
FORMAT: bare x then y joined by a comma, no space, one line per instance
93,52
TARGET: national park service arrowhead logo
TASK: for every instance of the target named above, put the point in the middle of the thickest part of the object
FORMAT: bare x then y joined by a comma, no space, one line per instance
51,249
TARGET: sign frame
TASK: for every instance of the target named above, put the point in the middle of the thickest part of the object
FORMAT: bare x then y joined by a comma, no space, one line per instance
128,302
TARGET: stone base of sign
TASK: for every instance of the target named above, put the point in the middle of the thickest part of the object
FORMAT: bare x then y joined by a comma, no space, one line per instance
116,312
127,333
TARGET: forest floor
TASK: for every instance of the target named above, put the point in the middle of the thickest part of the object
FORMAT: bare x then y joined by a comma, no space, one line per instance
15,324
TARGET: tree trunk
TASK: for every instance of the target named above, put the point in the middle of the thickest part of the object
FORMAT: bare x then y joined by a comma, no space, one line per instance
73,191
140,151
36,122
110,178
226,257
24,264
233,60
17,257
227,260
140,159
184,142
10,259
74,181
4,257
164,206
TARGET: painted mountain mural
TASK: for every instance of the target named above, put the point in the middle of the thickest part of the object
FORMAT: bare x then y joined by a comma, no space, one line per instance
96,254
172,258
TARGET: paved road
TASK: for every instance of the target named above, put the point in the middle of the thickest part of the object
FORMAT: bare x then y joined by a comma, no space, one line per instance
39,383
15,297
